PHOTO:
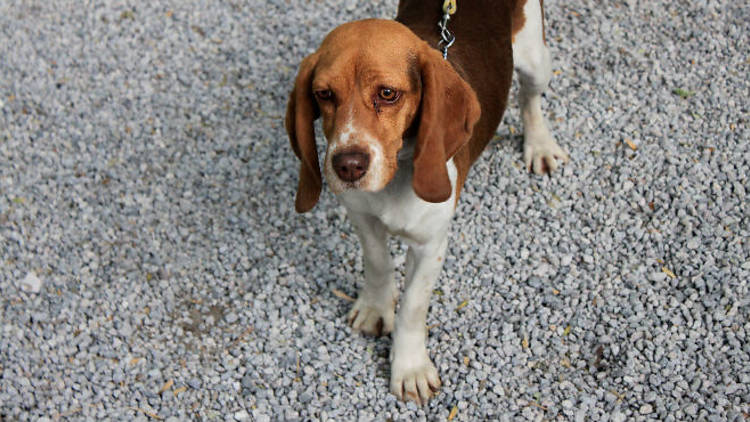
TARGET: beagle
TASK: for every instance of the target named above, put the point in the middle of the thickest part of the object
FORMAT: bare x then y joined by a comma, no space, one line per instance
403,126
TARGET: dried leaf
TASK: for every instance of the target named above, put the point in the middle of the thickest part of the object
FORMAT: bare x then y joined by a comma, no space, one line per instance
631,144
668,272
237,341
198,30
147,413
453,413
566,331
135,360
167,385
525,342
341,295
179,390
462,305
466,360
127,14
684,93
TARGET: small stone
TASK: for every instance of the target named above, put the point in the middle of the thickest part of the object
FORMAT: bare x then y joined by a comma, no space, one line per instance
247,381
231,318
566,260
305,397
31,283
691,409
242,415
646,409
657,276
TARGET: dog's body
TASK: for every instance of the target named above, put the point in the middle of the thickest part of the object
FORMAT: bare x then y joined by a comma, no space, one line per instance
403,128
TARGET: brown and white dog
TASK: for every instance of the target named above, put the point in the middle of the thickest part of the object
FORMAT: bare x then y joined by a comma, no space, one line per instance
403,127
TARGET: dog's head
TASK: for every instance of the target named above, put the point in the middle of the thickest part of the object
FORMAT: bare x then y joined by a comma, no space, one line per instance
375,82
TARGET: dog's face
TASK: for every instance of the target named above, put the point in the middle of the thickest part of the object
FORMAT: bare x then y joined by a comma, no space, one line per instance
371,81
367,88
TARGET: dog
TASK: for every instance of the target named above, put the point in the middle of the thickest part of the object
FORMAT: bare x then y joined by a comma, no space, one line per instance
403,126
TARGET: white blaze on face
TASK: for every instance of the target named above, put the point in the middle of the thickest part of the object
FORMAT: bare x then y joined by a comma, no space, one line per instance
354,137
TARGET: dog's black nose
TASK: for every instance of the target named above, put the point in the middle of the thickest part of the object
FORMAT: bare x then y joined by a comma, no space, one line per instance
351,166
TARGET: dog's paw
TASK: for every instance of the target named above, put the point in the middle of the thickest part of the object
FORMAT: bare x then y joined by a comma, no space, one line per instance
371,318
414,379
541,152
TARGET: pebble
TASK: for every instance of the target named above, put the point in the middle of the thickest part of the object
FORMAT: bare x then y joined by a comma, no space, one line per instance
31,283
241,415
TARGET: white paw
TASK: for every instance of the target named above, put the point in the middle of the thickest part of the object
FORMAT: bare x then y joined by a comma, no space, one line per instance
371,318
541,152
414,377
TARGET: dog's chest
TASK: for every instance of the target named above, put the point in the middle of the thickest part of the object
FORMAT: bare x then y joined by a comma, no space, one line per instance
399,208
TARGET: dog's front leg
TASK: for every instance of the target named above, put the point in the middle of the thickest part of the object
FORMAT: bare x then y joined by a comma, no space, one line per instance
413,375
372,312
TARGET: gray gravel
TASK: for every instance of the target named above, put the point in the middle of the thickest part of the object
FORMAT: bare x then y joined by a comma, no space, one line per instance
152,266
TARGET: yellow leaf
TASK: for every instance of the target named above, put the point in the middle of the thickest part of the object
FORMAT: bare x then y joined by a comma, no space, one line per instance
135,360
525,342
631,144
669,273
462,305
453,413
167,385
179,390
466,360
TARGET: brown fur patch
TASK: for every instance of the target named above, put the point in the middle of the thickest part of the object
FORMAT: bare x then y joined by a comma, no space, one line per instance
518,19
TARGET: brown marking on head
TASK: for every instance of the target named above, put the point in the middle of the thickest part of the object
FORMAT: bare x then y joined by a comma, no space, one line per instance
372,81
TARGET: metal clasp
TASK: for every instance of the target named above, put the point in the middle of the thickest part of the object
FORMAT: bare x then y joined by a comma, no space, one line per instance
446,37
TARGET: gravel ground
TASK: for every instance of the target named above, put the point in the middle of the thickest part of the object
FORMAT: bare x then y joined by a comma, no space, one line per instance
152,266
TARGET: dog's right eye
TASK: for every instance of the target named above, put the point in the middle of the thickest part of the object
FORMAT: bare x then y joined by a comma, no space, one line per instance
324,95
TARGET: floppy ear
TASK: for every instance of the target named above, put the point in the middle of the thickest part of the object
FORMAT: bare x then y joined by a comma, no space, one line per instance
449,111
301,111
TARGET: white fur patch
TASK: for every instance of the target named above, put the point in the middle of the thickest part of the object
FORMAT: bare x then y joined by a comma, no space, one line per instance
375,177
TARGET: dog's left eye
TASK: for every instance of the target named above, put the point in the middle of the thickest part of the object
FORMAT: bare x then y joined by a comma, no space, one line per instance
324,94
388,95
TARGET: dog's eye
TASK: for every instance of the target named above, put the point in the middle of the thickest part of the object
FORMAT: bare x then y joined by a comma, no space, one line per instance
388,95
324,95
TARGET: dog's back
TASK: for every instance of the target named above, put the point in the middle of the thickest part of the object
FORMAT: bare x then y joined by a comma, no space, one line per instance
482,54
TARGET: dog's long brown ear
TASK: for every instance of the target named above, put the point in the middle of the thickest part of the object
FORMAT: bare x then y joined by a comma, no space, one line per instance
301,112
449,111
